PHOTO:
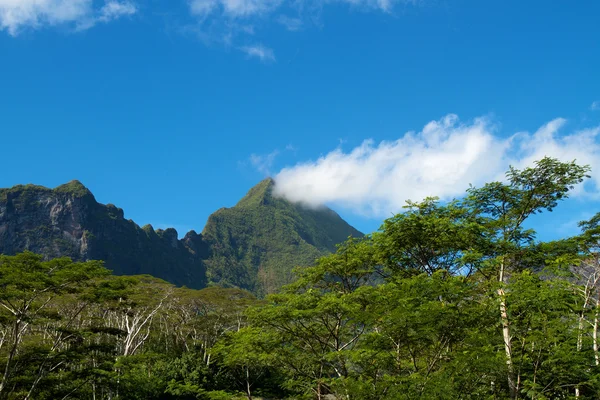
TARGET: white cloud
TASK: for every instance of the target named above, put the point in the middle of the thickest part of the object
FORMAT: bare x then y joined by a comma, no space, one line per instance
441,160
265,54
113,10
595,106
582,145
17,15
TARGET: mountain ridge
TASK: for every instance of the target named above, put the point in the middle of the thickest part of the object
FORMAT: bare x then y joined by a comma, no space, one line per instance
68,221
253,245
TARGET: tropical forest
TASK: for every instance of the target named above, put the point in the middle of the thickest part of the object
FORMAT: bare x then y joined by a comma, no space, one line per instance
299,200
447,300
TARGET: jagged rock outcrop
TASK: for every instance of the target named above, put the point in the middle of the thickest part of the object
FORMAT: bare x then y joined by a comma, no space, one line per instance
68,221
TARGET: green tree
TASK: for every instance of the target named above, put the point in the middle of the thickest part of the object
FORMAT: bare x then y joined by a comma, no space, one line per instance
31,318
248,355
426,237
505,244
422,343
321,318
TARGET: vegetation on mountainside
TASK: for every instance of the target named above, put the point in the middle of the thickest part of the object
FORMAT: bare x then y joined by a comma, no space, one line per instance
255,244
446,301
73,187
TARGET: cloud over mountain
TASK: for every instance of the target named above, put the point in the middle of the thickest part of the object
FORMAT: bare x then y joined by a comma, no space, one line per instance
441,160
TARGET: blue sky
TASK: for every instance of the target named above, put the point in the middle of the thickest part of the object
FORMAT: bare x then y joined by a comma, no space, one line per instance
173,109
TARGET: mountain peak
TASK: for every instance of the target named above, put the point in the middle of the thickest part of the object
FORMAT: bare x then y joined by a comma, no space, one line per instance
73,187
256,244
259,194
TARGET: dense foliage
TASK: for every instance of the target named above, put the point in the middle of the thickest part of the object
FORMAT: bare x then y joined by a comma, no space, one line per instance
446,301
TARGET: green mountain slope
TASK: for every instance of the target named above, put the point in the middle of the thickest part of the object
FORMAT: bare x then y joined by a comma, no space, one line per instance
255,244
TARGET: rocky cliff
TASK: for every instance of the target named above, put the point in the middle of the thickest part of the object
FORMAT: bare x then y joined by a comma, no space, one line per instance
68,221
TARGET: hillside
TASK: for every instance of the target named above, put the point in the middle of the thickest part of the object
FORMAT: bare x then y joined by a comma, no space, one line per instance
256,243
68,221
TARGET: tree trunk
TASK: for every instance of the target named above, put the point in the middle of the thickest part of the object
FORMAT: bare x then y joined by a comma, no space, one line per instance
595,332
248,392
510,370
512,385
579,343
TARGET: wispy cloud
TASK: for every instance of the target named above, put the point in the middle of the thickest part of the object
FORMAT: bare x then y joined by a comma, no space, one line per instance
259,51
19,15
113,10
233,8
290,23
264,163
441,160
223,21
595,106
250,8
